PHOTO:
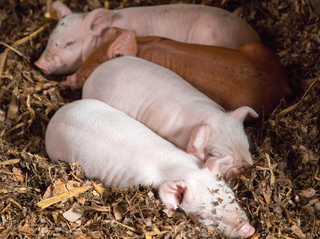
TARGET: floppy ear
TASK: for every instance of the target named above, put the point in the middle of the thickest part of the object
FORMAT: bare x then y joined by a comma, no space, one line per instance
219,165
61,9
124,45
114,32
97,21
198,140
174,193
241,113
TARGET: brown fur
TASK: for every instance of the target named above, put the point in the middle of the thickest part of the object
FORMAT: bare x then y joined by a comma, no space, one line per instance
250,76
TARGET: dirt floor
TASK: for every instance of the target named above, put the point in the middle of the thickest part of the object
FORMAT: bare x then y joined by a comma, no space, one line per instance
280,193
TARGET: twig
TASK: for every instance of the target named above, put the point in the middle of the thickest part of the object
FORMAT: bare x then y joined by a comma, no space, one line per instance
293,107
16,51
119,223
30,36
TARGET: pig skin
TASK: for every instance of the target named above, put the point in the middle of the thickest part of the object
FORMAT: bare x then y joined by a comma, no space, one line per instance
78,34
121,152
172,108
250,76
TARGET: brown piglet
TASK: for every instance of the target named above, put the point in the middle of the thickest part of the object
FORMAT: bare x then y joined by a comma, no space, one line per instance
249,76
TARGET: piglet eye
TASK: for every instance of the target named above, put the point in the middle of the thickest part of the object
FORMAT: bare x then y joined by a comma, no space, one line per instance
212,155
70,43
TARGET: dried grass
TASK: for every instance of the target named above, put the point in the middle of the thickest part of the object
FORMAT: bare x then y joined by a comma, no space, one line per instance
280,193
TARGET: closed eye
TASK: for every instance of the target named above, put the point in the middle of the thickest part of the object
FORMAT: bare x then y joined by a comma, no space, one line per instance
214,154
70,43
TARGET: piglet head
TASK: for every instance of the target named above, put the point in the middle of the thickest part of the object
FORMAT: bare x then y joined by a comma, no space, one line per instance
223,139
73,39
120,43
240,153
63,53
206,195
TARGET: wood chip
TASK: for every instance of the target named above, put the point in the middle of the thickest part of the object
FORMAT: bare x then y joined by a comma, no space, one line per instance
48,202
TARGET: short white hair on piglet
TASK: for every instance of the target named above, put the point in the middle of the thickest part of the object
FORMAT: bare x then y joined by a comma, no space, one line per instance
189,23
121,152
172,108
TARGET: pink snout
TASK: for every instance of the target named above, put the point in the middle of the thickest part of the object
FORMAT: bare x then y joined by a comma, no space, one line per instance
246,231
44,66
236,171
233,173
51,64
72,81
235,230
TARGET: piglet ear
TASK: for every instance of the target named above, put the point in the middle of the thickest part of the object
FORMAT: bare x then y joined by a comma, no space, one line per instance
97,21
198,140
61,9
174,193
241,113
114,32
124,45
219,165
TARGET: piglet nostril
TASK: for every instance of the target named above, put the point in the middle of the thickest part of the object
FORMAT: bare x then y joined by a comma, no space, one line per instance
41,67
44,70
242,170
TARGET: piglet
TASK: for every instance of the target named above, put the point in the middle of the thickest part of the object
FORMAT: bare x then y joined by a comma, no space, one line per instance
172,108
78,34
249,76
121,152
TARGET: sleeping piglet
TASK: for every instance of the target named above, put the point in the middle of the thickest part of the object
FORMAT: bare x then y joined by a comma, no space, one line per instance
78,34
249,76
172,108
121,152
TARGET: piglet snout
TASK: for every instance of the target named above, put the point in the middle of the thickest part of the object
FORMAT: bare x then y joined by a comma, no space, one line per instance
246,231
234,172
72,81
48,64
41,65
77,80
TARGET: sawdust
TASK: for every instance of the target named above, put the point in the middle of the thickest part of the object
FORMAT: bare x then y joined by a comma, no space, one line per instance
280,193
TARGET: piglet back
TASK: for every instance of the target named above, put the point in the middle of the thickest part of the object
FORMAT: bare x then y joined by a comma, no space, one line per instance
111,146
71,126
